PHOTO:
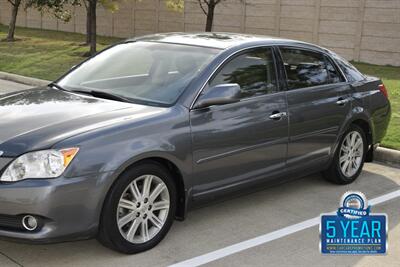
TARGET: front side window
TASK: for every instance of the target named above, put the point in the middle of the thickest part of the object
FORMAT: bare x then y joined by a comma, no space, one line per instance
254,71
145,72
306,68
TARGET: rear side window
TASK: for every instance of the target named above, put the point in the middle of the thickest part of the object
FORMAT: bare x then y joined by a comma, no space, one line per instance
253,70
351,73
307,68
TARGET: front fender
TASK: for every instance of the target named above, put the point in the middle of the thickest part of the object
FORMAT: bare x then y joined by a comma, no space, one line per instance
114,149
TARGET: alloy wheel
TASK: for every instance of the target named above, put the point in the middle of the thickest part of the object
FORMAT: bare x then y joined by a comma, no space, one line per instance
351,154
143,209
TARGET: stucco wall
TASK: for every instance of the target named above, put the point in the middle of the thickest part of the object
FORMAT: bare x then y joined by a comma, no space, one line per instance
361,30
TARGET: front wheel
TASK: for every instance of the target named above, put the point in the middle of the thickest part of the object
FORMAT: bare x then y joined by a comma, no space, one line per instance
139,209
349,157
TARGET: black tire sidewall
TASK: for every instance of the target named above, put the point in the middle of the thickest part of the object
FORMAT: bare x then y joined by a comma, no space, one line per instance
343,178
108,223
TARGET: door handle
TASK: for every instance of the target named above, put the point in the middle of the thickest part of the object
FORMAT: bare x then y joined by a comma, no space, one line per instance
342,101
278,115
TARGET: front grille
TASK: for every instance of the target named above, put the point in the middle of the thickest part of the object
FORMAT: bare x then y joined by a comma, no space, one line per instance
14,223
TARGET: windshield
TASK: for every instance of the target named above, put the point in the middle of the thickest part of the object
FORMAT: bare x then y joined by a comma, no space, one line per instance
143,71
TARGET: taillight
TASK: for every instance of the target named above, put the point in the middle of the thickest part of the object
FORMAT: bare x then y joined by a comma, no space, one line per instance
383,90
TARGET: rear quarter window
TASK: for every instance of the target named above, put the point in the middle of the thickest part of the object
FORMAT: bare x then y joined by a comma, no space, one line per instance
351,73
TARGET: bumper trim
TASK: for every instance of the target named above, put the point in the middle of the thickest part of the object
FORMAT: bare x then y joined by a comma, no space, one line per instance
69,208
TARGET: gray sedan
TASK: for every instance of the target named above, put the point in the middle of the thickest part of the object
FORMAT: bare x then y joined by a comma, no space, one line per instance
134,137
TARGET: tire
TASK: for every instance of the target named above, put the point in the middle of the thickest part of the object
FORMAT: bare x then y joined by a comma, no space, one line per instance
122,203
337,171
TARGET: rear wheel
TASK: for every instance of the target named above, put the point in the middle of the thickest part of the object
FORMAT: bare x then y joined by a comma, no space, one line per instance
139,209
349,157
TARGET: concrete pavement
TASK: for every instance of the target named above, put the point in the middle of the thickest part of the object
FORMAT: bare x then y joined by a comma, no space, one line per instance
9,87
231,221
235,220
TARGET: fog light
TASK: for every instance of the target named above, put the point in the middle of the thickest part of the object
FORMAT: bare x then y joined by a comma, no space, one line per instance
29,222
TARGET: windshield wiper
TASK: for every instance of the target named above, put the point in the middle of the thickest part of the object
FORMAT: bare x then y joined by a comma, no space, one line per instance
53,84
102,94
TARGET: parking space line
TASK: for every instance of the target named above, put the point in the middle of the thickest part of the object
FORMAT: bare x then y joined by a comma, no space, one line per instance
238,247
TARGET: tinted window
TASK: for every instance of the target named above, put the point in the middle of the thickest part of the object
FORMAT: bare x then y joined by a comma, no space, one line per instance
143,71
351,73
333,73
306,68
254,71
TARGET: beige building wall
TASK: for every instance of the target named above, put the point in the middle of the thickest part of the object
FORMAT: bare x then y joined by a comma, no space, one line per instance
361,30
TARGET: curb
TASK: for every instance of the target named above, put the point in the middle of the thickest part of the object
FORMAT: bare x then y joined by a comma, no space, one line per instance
22,79
387,155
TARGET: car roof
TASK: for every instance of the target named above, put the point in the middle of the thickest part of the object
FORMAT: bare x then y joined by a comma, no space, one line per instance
219,40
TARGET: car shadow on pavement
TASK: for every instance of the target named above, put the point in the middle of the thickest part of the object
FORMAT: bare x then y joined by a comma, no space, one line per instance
225,223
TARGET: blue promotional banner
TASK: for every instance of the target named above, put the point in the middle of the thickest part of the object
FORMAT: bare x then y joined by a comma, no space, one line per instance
366,235
353,230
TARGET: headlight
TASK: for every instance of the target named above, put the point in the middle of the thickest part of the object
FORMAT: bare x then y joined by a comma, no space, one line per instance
40,164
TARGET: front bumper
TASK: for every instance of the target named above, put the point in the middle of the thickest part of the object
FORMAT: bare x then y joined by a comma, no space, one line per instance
68,208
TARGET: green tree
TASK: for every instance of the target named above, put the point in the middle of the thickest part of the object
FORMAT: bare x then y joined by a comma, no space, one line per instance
207,6
15,5
55,7
91,19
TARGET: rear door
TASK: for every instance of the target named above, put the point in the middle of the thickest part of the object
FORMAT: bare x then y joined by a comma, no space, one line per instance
318,101
237,143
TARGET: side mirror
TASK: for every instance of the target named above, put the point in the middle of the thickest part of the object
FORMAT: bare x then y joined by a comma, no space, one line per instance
219,95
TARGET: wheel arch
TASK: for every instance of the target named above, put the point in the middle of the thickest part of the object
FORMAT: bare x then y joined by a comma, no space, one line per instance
174,170
178,180
363,124
361,120
366,127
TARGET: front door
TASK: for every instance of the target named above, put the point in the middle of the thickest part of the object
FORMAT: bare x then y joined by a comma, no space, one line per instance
237,143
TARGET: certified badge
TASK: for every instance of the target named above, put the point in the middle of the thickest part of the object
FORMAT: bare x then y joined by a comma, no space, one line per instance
353,230
354,205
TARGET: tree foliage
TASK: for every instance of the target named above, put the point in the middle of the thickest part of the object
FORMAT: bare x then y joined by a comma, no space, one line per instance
207,6
111,5
176,5
55,7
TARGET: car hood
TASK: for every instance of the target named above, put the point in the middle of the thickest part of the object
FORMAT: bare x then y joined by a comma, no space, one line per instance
39,118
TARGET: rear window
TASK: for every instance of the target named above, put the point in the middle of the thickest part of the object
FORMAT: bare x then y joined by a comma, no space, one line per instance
351,73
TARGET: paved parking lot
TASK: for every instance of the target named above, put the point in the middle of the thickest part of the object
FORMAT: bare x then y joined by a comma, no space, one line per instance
9,87
230,222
